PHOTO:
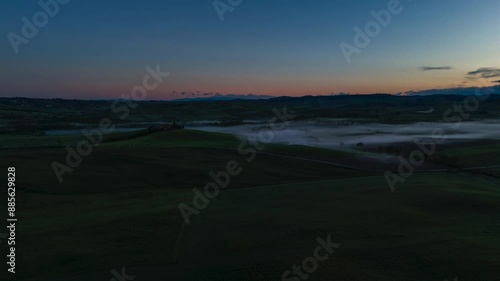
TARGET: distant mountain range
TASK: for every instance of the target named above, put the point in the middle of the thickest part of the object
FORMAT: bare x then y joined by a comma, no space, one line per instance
450,91
457,91
225,98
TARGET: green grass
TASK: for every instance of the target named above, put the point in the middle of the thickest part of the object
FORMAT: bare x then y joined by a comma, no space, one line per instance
430,229
78,233
201,139
172,159
119,208
477,156
7,141
493,172
112,168
181,138
30,141
433,226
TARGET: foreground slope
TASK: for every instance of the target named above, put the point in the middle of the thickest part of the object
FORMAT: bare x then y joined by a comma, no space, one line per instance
120,209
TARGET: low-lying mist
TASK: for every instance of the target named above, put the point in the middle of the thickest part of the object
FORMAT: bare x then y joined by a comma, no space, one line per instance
342,134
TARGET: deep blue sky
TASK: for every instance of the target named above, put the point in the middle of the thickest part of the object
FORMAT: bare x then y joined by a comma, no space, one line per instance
99,49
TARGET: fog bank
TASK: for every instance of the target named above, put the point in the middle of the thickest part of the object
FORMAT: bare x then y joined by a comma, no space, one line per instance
340,133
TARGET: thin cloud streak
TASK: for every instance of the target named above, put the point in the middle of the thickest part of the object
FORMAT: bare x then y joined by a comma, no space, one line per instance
484,72
432,68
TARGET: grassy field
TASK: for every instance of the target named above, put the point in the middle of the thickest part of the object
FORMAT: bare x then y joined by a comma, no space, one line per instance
63,234
119,209
433,228
8,141
477,156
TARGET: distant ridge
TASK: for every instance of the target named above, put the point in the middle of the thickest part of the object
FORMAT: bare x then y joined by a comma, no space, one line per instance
252,97
456,91
225,98
431,92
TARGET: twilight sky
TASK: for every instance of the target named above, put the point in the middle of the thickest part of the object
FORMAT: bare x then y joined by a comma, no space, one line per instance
99,49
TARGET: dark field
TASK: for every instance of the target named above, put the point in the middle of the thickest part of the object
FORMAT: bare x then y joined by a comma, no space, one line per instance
120,208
